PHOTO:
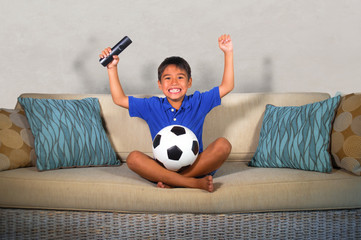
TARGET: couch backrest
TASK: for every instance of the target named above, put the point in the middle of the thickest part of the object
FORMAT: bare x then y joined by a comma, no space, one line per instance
239,119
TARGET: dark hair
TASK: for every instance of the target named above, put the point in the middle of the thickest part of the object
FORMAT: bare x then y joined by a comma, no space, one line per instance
178,62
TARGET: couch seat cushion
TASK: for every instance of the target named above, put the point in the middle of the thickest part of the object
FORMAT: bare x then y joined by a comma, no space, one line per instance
239,188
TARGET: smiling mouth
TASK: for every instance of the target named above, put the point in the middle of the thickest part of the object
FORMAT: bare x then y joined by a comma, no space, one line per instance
174,90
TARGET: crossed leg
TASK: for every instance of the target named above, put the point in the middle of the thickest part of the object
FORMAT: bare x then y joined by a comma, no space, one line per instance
209,160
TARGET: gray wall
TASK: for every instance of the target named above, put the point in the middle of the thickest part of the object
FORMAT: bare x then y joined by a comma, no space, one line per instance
280,45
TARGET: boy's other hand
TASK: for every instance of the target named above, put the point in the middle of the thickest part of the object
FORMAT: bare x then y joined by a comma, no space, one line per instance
225,43
105,53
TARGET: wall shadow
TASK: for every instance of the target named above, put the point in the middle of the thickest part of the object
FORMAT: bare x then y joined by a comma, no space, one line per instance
149,78
263,83
82,66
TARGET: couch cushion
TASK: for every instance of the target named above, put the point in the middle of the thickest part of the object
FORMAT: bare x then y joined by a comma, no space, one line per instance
68,133
297,137
16,140
239,188
346,134
123,131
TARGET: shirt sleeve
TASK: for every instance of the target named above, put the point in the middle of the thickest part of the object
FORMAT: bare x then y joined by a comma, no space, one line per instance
137,106
212,98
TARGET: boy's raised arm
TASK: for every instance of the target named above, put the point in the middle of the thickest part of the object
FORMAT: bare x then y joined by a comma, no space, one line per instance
116,89
226,45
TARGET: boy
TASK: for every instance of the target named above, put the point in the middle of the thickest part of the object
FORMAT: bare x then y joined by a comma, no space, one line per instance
174,79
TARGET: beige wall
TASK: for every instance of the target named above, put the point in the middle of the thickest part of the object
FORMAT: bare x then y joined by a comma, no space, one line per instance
280,45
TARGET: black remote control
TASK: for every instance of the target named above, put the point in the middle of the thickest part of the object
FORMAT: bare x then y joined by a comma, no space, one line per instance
116,50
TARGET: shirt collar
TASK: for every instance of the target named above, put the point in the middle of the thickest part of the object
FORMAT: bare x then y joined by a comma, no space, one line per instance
185,104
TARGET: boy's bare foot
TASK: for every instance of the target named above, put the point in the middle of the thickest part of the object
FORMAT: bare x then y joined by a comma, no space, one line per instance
205,183
162,185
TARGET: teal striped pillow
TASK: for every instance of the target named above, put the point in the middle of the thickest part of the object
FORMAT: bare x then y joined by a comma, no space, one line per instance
297,137
68,133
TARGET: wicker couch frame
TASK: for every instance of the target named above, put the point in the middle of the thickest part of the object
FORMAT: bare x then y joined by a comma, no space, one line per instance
53,224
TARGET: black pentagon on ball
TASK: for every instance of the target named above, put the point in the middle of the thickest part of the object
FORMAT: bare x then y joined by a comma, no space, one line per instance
178,130
156,141
174,153
195,147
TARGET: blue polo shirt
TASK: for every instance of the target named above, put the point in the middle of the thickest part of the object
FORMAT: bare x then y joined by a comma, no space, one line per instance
158,113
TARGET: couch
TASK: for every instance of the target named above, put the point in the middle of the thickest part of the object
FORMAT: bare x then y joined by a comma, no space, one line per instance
248,202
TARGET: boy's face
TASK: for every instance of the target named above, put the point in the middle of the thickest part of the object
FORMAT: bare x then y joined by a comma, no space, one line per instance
174,84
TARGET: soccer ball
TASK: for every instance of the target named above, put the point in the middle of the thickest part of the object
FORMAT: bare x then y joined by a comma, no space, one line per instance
175,147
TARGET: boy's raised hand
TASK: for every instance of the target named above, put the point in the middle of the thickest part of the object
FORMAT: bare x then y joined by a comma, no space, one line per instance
106,53
225,43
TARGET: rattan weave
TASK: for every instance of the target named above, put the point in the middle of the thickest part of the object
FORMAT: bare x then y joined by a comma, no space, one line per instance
49,224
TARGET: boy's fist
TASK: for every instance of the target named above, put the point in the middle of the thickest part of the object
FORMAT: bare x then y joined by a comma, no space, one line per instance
106,52
225,43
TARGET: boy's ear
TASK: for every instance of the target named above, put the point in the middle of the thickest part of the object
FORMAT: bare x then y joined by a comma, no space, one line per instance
190,82
159,85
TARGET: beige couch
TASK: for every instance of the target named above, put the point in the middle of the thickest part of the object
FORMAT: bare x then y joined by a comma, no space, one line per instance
246,200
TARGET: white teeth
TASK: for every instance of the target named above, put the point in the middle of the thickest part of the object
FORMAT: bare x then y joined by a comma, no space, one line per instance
174,90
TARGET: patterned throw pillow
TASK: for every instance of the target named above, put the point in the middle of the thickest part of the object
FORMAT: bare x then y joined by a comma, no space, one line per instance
68,133
16,140
346,134
297,137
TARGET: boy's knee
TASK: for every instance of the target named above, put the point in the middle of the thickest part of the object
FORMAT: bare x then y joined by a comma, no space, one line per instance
133,159
224,145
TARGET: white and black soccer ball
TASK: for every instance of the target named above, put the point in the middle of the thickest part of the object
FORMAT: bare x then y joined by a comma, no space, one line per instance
175,147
